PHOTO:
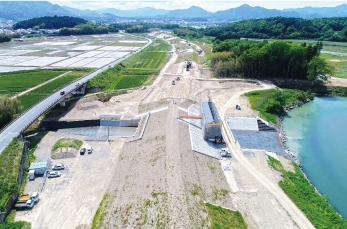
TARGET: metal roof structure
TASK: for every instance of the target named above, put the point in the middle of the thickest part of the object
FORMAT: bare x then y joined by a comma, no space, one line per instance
38,165
210,113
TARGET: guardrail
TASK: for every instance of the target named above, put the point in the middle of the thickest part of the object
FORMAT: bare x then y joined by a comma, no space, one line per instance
27,110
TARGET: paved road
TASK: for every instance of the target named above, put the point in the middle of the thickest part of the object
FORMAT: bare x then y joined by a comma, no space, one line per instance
30,116
297,215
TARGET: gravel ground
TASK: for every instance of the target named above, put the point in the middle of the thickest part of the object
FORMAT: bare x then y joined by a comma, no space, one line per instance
70,201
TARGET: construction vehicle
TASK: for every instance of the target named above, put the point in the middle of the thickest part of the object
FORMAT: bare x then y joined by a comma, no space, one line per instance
31,196
188,65
25,204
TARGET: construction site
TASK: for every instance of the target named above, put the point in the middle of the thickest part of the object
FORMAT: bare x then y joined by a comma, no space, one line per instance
196,141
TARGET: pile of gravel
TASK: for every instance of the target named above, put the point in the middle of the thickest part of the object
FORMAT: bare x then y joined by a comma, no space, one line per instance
57,154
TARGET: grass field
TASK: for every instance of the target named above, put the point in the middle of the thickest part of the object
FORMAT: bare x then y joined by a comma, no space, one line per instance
18,82
270,103
147,60
30,99
191,56
159,45
150,60
338,63
131,81
222,218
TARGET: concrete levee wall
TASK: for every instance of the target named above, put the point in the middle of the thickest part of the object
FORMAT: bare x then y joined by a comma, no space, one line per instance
55,125
124,123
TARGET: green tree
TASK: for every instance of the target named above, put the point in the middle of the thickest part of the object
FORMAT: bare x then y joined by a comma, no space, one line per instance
318,68
9,108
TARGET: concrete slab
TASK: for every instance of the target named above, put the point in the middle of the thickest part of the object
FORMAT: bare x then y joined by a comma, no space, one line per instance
260,140
242,123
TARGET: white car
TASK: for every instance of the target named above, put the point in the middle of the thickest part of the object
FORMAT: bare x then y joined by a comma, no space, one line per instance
90,150
58,167
143,88
53,174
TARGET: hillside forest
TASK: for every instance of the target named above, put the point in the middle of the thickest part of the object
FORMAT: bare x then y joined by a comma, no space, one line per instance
329,29
49,22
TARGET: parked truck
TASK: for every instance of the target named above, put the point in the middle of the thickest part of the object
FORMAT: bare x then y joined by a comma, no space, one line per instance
25,204
34,196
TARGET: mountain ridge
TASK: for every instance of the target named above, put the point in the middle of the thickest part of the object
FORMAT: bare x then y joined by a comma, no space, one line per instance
21,10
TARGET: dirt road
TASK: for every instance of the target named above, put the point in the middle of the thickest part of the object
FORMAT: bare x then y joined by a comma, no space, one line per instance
296,214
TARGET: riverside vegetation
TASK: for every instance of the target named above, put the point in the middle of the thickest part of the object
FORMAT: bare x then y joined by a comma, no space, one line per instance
303,194
270,103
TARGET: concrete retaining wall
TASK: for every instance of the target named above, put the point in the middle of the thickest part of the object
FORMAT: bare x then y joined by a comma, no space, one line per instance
124,123
55,125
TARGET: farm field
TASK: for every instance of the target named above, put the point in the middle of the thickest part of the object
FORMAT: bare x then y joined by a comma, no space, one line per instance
147,60
120,78
21,81
136,71
159,45
59,51
12,83
62,81
36,95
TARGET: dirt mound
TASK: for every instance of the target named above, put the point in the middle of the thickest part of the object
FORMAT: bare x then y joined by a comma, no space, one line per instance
57,154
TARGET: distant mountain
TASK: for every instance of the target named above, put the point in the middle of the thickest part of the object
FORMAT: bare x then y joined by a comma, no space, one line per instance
21,10
319,12
191,12
248,12
146,12
77,12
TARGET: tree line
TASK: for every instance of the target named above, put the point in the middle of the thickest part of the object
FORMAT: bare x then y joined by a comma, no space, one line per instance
329,29
278,59
143,27
49,22
88,28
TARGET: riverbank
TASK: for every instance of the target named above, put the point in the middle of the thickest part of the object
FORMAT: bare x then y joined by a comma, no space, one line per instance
293,183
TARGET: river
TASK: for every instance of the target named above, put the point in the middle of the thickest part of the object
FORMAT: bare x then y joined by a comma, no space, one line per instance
317,135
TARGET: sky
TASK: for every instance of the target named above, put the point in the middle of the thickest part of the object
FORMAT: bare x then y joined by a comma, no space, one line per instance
211,6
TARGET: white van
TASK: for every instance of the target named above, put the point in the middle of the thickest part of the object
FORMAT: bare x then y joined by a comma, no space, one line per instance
31,174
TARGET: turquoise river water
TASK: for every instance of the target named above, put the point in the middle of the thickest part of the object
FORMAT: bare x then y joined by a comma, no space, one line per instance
317,135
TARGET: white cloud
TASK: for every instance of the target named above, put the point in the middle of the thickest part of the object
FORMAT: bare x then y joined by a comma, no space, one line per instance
212,6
